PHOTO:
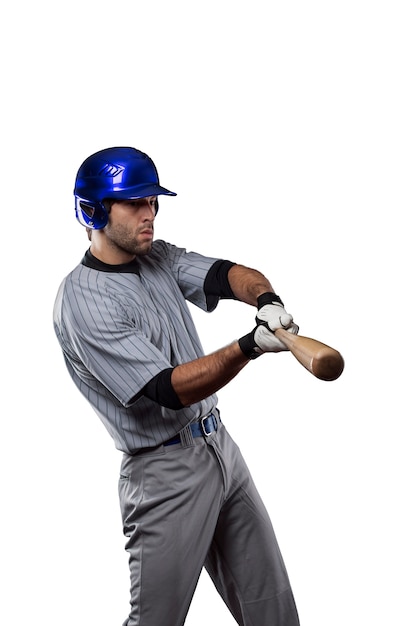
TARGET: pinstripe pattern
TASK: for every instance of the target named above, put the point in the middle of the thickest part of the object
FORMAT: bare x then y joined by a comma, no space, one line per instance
118,330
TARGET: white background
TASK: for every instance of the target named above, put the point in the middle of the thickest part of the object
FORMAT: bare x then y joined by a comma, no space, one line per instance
288,130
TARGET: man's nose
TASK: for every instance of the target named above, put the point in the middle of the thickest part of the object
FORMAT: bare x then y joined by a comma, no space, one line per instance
149,210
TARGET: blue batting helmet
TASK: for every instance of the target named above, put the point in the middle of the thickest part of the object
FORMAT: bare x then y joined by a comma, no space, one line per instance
113,173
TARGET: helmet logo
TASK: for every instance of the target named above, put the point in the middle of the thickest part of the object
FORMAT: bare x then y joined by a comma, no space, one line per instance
110,170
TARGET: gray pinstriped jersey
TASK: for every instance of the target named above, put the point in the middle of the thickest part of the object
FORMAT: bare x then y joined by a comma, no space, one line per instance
117,330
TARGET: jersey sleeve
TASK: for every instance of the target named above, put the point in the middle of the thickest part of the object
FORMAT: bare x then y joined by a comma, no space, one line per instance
102,341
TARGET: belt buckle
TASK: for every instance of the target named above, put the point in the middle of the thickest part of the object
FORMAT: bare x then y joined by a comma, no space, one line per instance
203,428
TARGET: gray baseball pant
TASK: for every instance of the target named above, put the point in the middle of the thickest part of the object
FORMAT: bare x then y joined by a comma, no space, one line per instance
194,505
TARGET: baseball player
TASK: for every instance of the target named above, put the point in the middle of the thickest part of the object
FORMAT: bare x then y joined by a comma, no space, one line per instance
130,345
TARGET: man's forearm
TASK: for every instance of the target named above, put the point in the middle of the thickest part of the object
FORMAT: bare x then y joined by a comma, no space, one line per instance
247,284
198,379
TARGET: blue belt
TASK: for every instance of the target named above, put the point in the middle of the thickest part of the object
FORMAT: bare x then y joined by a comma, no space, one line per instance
205,427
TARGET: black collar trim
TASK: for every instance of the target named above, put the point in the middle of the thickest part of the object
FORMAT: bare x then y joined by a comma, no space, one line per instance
123,268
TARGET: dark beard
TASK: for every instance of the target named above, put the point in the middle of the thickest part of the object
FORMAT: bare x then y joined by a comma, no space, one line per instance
123,240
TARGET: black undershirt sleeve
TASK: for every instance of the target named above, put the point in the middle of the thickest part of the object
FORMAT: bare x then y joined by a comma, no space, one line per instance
160,390
216,284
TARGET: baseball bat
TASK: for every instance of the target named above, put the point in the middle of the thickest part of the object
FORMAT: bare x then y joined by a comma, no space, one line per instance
321,360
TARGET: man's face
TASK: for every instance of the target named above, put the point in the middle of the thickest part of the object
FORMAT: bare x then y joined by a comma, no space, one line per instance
130,225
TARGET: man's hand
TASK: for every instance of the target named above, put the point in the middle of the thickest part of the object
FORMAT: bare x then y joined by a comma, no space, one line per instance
259,341
271,313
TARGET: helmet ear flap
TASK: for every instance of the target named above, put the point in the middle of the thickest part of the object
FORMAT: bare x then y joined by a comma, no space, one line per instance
91,214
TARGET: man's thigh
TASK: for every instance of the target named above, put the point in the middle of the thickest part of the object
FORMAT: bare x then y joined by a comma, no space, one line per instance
244,560
170,503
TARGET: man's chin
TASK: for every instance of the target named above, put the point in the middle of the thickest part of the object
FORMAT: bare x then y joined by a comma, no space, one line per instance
144,249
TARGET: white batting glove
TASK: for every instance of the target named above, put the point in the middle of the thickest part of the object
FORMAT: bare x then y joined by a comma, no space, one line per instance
271,313
259,341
